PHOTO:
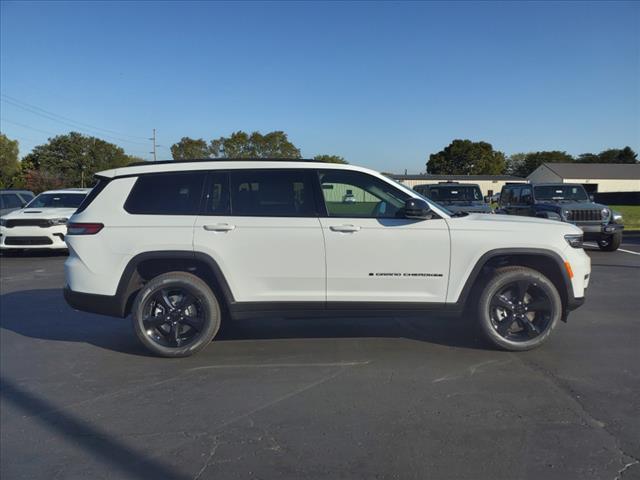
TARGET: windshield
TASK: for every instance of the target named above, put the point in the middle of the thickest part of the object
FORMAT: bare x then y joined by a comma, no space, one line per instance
57,200
455,193
433,202
560,192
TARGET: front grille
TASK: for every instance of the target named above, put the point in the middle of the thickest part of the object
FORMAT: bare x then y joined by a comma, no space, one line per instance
27,241
28,222
585,216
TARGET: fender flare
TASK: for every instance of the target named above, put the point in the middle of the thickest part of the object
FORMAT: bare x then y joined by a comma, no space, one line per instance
128,283
566,294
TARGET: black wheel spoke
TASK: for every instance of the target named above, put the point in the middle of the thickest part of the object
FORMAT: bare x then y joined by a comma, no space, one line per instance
505,325
502,301
165,301
538,305
531,329
186,301
193,322
175,333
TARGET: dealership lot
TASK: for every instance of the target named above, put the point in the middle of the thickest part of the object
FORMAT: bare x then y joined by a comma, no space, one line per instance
418,397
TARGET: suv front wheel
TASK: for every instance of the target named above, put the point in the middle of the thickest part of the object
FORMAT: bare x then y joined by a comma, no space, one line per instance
176,314
519,308
610,243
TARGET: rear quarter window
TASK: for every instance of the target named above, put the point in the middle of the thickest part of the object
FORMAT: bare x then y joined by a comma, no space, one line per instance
166,194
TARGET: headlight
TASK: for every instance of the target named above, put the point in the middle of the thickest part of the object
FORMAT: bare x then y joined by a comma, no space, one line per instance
3,222
575,240
617,217
605,212
567,214
58,221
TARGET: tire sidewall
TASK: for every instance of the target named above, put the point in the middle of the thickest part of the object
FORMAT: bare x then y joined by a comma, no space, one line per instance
196,287
497,283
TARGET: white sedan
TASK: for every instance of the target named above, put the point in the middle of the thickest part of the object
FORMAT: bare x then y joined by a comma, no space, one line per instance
42,223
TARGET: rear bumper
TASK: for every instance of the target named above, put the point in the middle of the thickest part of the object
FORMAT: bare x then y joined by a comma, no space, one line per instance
88,302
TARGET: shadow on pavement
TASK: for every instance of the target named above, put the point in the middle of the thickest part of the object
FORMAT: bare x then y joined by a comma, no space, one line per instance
44,314
86,437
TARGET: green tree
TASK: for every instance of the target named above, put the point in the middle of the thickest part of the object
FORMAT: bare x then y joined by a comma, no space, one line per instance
615,155
515,163
464,157
9,164
330,159
534,159
71,158
190,148
255,145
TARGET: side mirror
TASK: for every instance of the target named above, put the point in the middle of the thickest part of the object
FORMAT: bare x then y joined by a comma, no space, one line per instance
416,209
591,197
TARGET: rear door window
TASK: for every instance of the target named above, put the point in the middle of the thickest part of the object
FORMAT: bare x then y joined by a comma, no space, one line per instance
166,194
272,193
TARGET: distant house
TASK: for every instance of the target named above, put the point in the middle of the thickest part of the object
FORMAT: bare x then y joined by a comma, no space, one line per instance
596,177
489,184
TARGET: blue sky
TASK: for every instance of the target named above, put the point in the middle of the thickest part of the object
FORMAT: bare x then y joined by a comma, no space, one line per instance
382,84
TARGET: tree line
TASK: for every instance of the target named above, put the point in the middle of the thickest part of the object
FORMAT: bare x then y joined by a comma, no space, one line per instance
71,160
465,157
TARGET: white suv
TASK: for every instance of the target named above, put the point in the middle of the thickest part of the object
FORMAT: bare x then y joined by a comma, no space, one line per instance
42,223
184,246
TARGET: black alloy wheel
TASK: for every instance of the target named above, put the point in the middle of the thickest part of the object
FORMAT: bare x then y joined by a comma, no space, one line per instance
173,317
521,311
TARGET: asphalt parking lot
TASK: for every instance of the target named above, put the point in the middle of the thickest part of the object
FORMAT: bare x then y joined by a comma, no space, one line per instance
412,398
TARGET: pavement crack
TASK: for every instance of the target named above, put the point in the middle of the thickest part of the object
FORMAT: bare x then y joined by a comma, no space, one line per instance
581,410
209,460
624,469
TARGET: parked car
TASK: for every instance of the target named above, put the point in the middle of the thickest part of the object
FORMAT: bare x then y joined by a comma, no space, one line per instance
456,197
42,223
184,246
11,200
568,203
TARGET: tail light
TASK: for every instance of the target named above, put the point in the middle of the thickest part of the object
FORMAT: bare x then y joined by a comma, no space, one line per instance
84,228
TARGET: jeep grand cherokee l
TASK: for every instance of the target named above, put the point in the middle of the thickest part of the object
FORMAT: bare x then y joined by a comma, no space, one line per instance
184,246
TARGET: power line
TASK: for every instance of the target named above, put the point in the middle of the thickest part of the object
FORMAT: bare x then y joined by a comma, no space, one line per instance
16,100
137,152
73,125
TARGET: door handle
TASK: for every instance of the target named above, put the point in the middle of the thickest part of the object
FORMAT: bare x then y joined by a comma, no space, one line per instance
219,227
344,228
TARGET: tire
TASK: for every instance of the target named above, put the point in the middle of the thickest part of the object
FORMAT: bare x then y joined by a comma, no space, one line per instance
514,326
610,243
176,314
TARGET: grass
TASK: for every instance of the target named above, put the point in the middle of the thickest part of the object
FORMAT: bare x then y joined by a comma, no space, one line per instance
630,215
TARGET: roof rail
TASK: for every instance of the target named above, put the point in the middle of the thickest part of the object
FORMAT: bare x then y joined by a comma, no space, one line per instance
161,162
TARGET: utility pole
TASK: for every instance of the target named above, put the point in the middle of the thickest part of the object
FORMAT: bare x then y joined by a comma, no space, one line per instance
153,139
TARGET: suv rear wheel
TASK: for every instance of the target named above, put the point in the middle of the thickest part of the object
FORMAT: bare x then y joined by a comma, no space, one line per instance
519,308
176,314
610,243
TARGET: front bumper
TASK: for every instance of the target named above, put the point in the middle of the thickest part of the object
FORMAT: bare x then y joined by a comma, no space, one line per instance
599,228
51,238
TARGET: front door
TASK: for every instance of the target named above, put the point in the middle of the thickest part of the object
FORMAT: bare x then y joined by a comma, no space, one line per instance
261,227
374,254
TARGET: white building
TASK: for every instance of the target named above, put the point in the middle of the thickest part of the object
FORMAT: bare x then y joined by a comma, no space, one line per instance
596,177
489,184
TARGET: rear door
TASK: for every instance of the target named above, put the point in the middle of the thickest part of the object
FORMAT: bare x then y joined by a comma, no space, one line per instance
374,254
262,228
